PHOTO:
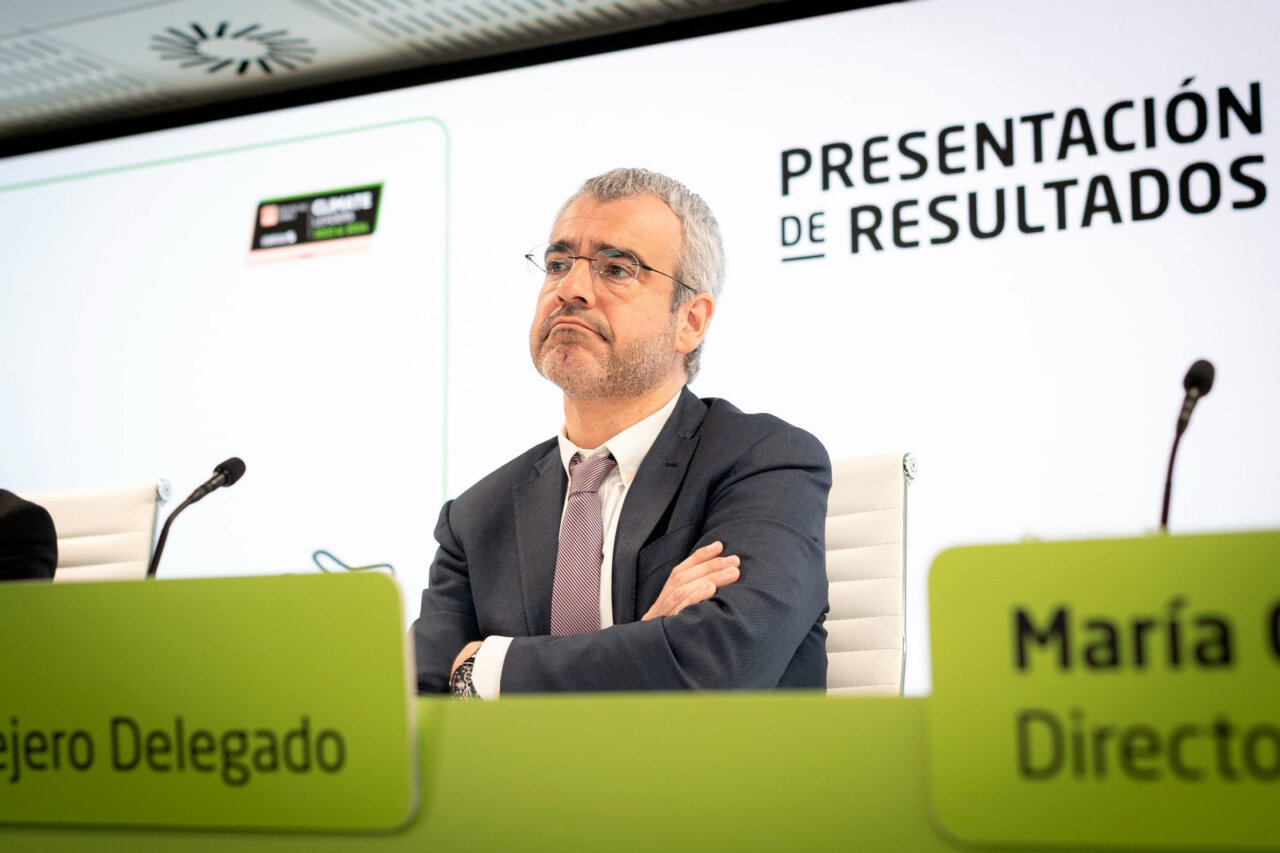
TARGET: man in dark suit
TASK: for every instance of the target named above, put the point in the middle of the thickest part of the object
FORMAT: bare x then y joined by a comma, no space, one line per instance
28,543
661,541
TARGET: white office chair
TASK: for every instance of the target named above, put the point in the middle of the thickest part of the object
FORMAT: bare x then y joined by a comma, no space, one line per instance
104,534
866,570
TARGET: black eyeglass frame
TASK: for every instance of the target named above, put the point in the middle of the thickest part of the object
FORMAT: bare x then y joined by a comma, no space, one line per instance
531,257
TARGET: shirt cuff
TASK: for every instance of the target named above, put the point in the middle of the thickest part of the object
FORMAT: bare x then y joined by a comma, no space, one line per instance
486,672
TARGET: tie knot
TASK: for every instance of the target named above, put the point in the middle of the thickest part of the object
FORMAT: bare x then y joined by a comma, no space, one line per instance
586,475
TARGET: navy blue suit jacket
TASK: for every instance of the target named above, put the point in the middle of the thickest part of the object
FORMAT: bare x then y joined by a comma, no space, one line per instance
28,542
753,482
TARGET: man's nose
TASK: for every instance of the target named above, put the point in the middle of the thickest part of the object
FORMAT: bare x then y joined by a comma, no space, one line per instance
578,284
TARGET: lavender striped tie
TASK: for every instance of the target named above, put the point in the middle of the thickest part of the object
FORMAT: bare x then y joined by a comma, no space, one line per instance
575,593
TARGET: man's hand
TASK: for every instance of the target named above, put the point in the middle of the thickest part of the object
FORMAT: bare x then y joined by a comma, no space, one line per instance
467,651
696,579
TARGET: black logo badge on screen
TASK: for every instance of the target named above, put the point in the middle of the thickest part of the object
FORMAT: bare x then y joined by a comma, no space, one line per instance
316,218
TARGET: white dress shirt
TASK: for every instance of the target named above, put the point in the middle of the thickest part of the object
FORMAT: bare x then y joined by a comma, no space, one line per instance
629,449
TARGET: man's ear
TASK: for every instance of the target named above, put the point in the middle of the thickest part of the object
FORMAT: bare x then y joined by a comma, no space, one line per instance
693,318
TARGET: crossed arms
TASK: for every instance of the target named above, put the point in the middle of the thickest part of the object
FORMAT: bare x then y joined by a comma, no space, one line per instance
729,591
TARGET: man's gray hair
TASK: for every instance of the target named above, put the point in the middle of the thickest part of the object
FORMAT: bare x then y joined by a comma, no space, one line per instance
701,260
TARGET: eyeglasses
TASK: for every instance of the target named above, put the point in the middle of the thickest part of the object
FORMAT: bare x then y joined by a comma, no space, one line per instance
611,268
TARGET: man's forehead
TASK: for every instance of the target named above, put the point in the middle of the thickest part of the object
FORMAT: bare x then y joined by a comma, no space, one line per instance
641,222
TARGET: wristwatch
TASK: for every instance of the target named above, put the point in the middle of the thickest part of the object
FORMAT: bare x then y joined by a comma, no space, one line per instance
460,683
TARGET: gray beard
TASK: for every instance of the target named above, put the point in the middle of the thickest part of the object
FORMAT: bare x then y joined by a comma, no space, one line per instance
628,373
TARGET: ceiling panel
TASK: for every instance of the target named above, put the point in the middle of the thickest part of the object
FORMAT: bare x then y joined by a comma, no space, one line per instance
44,85
448,31
29,14
65,63
201,46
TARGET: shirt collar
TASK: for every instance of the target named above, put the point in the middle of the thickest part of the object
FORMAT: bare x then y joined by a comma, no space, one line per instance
628,447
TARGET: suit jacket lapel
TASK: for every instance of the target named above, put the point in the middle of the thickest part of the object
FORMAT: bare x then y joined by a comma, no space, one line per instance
539,503
650,494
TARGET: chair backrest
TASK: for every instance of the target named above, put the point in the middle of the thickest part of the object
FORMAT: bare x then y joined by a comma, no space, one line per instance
104,534
866,570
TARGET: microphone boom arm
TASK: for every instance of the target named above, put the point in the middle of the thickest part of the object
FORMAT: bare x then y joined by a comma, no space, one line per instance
224,475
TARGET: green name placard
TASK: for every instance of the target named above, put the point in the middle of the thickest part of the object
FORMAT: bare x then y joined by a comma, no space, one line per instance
251,703
1109,692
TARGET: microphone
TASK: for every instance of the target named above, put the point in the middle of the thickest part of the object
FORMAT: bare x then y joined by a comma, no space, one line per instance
1198,382
226,474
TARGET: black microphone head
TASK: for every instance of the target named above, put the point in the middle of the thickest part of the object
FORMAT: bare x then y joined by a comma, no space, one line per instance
1199,377
233,468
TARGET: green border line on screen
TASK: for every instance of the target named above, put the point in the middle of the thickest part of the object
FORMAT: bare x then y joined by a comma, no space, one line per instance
218,152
